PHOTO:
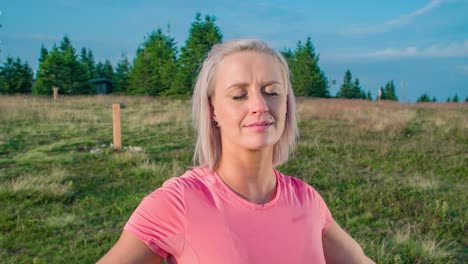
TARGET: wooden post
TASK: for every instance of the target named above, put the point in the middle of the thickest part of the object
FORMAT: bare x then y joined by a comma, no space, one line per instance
116,126
55,89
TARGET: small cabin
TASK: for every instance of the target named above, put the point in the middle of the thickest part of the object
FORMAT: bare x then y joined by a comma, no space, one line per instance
102,85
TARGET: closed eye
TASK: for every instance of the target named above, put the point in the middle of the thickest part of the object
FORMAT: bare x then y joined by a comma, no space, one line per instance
239,97
270,89
271,94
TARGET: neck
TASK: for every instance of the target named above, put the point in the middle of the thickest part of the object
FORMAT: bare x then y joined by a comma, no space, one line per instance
250,174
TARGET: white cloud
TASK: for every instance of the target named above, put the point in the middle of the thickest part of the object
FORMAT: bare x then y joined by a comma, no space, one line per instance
397,22
451,50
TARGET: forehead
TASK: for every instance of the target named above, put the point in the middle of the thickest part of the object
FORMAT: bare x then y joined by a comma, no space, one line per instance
248,66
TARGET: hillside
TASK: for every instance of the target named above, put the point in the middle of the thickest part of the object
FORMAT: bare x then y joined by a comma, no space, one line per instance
394,175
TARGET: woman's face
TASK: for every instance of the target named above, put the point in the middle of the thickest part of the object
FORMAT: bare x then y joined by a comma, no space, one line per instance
249,101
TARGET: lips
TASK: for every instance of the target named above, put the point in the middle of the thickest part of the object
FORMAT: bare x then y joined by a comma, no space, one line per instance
259,124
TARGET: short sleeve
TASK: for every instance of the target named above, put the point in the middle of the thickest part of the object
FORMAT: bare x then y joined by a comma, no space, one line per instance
323,210
159,220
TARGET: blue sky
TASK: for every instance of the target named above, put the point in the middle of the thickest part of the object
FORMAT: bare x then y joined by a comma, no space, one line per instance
421,43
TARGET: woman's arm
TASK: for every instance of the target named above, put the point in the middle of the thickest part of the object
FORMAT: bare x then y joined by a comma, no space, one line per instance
130,249
339,247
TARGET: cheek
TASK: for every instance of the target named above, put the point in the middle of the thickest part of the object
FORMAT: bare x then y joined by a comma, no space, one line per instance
280,108
227,111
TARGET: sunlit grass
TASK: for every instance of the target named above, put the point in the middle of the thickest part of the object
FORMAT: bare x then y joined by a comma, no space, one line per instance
52,183
62,220
423,182
362,115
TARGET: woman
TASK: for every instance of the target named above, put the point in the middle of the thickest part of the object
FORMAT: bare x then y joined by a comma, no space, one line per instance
235,207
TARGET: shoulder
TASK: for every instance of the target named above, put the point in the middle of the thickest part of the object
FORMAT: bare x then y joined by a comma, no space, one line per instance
298,188
195,178
192,178
300,193
171,196
295,184
160,219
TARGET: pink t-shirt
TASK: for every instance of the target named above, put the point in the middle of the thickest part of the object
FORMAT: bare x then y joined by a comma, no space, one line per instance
197,218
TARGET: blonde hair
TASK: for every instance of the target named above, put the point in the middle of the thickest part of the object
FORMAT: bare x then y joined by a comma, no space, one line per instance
208,146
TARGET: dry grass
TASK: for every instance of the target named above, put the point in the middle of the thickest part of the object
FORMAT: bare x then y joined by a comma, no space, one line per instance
62,220
403,235
149,111
451,118
127,157
28,108
52,183
161,111
436,249
431,247
361,114
422,182
415,245
161,169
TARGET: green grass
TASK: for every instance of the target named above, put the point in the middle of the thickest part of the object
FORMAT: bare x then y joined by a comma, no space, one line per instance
393,175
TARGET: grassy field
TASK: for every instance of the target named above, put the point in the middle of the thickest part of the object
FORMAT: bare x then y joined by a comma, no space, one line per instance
393,175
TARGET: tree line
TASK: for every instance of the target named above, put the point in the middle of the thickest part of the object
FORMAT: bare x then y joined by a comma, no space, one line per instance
161,69
426,98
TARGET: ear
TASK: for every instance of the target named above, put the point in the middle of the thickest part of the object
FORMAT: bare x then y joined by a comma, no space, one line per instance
212,111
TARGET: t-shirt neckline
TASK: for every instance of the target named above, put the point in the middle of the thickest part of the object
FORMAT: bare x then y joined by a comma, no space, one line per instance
245,202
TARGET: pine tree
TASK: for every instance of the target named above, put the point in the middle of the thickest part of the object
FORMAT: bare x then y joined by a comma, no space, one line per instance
108,70
74,76
155,65
15,77
423,98
384,92
87,60
89,68
202,36
369,96
389,92
3,87
49,72
43,55
350,89
104,70
307,78
60,67
357,93
363,95
38,84
121,80
455,98
347,87
288,54
100,70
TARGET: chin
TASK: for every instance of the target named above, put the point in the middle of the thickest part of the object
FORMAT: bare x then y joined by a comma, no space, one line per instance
257,146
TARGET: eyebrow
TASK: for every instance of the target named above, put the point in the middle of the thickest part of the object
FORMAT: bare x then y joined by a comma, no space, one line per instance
244,84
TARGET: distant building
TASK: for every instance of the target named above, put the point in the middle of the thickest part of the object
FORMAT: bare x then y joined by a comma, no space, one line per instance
102,85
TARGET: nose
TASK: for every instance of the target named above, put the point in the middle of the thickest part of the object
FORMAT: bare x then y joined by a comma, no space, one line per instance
258,104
